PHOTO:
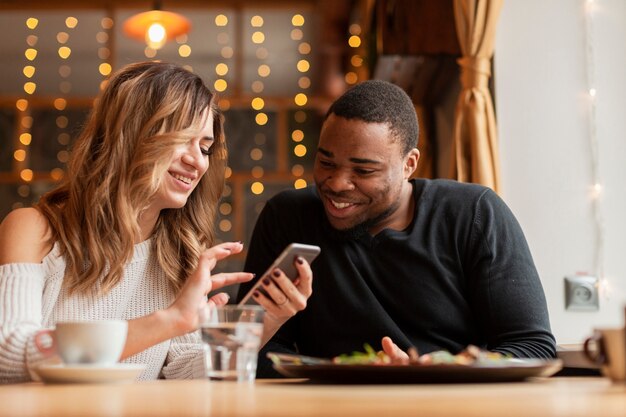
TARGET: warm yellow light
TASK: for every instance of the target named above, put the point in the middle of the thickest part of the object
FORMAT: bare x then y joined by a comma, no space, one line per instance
31,40
63,138
304,48
264,70
105,68
164,26
221,69
297,170
225,225
64,52
226,209
261,119
299,150
71,22
355,29
257,103
221,20
104,53
592,92
184,50
102,37
156,36
257,188
257,172
227,52
297,20
106,23
300,99
26,175
303,65
220,85
149,52
29,71
30,54
351,77
63,156
62,122
19,155
256,154
57,174
26,139
304,82
354,41
27,122
356,61
30,87
21,104
258,86
296,34
256,21
62,37
258,37
299,183
297,135
32,23
60,104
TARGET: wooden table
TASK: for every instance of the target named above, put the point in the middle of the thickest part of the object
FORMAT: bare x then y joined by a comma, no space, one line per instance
567,397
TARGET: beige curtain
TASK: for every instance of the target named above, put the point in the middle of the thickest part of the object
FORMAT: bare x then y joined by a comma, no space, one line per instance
475,150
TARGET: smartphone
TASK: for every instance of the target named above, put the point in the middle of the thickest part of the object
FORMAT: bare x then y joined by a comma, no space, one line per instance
285,262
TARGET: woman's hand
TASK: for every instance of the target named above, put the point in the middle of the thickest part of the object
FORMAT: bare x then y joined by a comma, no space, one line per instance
284,297
193,295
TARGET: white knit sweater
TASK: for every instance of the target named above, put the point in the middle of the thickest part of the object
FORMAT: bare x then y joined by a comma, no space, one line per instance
32,298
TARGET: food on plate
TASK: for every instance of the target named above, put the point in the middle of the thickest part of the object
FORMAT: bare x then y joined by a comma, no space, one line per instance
472,355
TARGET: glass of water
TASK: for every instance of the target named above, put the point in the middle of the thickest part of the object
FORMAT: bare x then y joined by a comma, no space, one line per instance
231,336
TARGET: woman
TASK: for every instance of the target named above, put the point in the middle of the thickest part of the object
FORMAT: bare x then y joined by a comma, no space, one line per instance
125,235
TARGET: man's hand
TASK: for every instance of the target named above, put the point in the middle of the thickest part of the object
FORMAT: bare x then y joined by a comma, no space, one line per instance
397,355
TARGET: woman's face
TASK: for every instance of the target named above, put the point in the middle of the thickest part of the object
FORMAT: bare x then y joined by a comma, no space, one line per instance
189,163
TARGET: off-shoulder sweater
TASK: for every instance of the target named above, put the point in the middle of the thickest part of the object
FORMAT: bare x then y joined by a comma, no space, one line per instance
32,298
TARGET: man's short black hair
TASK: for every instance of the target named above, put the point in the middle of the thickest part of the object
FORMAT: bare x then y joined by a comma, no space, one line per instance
377,101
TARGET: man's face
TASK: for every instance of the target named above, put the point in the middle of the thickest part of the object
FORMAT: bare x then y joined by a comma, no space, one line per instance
361,174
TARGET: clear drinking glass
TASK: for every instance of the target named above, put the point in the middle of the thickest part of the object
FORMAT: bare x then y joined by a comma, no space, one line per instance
232,335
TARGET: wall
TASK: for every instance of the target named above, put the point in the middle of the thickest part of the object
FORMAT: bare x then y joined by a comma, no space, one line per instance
544,124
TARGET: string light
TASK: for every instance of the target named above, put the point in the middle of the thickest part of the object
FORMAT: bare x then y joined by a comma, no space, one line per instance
257,103
300,99
596,189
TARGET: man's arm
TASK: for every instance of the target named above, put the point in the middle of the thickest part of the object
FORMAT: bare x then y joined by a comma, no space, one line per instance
505,290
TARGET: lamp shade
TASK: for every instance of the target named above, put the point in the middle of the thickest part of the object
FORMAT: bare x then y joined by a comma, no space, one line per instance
161,25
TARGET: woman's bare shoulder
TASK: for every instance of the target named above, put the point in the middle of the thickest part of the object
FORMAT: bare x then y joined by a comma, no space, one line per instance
24,236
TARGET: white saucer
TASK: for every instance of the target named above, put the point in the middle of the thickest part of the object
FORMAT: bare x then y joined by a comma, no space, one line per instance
67,374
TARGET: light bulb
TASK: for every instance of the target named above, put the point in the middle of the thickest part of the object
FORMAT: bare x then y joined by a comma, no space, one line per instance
156,36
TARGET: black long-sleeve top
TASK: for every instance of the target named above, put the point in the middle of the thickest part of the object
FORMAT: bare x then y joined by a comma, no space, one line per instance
461,273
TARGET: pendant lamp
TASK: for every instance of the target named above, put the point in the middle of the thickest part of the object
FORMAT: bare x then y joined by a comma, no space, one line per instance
156,26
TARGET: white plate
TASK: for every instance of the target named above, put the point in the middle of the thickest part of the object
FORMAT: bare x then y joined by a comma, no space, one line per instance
121,372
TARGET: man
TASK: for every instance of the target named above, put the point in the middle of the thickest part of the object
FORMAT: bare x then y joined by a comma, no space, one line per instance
432,264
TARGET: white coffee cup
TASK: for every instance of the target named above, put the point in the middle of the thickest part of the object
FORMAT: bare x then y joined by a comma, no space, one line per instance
610,352
87,342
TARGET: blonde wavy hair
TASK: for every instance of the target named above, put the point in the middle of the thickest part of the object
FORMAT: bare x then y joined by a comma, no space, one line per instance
115,170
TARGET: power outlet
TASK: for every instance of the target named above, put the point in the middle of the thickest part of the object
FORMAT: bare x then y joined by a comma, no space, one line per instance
581,293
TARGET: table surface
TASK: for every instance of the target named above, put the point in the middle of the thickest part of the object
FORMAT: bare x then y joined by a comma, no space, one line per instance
571,396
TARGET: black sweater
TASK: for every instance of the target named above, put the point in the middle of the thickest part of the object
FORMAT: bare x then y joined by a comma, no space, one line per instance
460,274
